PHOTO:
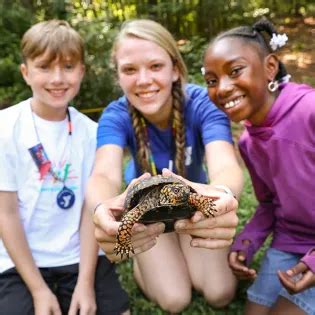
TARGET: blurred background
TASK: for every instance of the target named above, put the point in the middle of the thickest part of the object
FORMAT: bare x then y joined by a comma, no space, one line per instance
193,23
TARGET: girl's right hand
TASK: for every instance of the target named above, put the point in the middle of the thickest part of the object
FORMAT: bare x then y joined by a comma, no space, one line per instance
45,302
237,262
106,220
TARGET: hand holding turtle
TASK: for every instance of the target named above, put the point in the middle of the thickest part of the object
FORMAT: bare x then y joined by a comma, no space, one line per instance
212,232
106,219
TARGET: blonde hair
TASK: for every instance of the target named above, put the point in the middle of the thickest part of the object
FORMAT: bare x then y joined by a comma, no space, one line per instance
54,37
156,33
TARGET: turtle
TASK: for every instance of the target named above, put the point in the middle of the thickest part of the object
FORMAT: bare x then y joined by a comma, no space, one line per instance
159,199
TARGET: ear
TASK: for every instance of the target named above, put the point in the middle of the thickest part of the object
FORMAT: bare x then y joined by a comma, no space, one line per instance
24,72
271,66
175,73
82,71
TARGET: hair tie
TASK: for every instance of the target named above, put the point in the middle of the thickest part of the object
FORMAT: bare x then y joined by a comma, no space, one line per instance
277,41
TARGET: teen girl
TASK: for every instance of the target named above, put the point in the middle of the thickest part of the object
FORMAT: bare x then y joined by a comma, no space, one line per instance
166,123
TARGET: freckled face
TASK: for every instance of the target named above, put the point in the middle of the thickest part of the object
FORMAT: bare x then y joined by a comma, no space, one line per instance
237,78
146,74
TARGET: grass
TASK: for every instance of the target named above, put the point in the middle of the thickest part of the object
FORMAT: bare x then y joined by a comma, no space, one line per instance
141,305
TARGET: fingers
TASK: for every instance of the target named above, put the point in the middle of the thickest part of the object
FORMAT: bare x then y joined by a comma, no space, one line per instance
297,279
144,237
237,264
228,220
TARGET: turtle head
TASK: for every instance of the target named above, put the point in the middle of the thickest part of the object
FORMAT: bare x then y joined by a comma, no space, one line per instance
173,194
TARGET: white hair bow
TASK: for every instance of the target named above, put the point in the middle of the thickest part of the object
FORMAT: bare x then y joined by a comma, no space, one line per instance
278,40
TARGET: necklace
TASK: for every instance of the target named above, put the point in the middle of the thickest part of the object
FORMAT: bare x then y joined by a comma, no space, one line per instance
148,147
66,197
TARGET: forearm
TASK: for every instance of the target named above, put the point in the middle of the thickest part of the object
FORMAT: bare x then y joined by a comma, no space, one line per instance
99,189
88,250
230,176
15,241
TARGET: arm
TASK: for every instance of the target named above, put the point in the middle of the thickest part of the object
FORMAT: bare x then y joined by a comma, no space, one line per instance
83,297
223,167
14,239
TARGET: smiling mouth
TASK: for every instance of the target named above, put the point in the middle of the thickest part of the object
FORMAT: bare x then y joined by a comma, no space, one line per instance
233,103
146,94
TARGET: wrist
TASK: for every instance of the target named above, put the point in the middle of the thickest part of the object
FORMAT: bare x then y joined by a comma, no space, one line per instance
225,189
97,206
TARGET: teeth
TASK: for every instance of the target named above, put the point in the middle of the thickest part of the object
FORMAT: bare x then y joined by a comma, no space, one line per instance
146,94
233,103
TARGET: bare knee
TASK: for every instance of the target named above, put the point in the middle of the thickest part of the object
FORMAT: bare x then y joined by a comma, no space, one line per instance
174,301
219,296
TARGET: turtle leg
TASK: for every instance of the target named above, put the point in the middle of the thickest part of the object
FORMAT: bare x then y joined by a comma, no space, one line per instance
123,245
204,204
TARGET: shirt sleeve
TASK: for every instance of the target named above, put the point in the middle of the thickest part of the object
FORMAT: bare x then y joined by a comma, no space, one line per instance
309,259
8,156
263,220
214,123
113,125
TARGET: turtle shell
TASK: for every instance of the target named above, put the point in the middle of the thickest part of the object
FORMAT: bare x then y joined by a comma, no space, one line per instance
167,214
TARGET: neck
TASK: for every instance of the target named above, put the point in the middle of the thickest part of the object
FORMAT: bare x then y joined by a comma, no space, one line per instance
52,114
163,118
260,116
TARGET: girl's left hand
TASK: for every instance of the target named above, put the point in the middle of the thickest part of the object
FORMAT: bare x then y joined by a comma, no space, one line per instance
297,279
213,232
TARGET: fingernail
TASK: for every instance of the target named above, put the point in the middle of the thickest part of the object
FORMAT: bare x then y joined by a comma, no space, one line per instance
140,228
160,227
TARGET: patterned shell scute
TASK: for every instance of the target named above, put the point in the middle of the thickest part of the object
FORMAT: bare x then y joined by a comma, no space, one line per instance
140,188
161,213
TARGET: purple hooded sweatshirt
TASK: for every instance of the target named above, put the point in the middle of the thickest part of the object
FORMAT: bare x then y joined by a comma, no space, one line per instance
280,157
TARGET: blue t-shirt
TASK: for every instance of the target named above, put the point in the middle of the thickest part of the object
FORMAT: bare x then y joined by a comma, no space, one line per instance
203,123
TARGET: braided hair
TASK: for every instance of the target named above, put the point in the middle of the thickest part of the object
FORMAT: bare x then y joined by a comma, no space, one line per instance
260,34
156,33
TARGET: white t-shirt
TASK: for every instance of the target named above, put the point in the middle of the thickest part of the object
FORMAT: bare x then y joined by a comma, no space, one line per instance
52,232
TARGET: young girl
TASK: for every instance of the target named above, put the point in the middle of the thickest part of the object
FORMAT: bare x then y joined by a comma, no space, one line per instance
246,80
167,124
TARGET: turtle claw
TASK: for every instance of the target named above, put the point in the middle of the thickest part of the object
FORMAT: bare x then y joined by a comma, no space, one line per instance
123,250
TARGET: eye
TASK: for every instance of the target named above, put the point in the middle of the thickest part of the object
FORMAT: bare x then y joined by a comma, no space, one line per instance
176,190
211,82
43,66
236,71
157,66
69,66
128,70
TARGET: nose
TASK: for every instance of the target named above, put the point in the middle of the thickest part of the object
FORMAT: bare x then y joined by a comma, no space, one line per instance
225,87
144,77
56,75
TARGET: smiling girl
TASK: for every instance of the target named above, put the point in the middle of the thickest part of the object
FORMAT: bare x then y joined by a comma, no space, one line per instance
247,81
166,123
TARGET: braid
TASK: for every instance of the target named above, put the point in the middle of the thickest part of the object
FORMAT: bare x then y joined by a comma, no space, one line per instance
178,116
260,33
142,152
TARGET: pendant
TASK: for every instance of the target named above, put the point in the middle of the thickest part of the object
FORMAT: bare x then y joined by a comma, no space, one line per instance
65,198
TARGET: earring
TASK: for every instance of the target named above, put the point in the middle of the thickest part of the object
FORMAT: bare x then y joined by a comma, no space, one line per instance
273,86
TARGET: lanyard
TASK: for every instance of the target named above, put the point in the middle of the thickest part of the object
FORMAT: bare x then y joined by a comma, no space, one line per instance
149,150
40,156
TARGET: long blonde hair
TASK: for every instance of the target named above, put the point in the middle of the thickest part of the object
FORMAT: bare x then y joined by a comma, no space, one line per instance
156,33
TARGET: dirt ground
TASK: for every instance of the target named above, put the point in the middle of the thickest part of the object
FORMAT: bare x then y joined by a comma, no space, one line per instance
299,54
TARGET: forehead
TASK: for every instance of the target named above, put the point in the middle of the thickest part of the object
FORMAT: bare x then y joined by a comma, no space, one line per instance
135,50
228,49
55,57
